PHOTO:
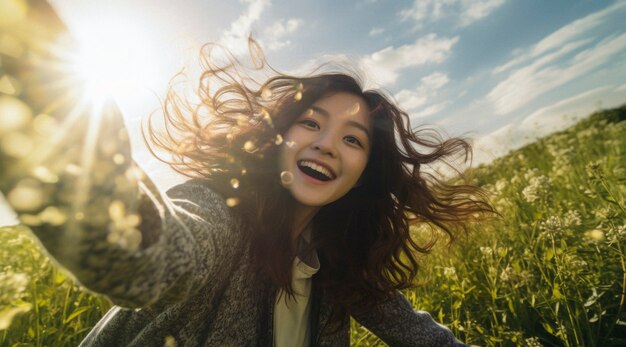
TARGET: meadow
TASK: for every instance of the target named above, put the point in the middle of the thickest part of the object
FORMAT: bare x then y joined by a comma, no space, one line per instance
549,272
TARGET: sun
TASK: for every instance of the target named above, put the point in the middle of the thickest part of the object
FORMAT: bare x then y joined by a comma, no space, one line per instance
114,59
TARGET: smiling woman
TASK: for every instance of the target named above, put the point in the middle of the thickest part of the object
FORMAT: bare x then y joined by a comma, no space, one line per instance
296,216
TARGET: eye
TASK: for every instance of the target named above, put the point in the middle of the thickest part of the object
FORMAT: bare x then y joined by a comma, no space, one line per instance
353,140
309,123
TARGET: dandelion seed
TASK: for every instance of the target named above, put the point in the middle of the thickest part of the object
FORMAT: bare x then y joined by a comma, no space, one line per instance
234,183
229,137
286,178
79,216
244,171
279,139
298,96
242,121
308,112
119,159
290,144
249,146
232,202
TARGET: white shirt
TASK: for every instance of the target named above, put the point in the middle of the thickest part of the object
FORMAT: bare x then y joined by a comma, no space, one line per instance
291,314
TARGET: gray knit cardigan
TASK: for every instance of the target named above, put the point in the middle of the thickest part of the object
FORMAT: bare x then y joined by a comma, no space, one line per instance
195,285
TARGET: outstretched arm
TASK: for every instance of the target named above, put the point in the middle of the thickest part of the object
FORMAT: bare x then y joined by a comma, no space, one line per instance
401,325
66,169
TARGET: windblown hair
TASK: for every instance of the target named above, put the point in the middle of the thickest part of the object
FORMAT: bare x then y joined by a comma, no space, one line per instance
231,137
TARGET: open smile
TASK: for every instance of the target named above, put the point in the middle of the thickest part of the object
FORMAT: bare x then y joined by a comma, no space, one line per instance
316,170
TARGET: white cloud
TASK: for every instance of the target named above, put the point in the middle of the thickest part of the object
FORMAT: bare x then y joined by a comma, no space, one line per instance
275,36
545,121
385,65
572,31
376,31
465,12
236,37
411,100
527,83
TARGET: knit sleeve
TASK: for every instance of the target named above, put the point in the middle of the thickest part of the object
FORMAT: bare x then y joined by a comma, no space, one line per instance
401,325
196,243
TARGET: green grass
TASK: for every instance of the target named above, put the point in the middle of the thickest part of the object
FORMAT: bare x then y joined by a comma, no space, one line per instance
550,272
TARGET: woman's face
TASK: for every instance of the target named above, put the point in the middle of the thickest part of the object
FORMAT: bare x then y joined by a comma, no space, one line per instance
326,150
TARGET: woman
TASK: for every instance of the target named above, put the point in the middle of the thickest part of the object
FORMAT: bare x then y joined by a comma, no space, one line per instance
297,217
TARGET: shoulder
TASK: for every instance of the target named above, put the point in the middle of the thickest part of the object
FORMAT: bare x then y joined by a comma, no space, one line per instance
195,200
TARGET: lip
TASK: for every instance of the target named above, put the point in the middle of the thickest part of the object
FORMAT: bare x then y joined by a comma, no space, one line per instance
320,163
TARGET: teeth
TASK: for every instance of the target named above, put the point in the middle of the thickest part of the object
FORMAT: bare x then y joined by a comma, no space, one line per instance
317,168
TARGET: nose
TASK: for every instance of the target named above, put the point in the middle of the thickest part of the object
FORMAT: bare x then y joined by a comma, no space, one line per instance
325,144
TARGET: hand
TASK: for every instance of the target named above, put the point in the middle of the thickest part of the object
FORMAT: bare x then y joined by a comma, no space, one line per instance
57,149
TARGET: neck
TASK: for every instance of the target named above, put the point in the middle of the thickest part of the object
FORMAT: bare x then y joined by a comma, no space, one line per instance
302,219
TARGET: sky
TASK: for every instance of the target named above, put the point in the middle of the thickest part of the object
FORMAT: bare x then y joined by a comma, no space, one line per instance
500,72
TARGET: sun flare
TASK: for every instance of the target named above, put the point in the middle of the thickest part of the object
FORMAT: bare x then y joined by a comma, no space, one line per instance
114,59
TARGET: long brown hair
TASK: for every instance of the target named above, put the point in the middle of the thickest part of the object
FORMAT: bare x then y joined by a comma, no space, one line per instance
230,138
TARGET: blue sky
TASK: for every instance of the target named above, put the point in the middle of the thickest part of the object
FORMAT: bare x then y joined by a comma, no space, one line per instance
499,71
502,72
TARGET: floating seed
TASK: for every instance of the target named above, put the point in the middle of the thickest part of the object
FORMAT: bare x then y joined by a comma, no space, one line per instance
290,144
249,146
266,117
297,96
234,183
286,178
244,171
308,112
116,210
232,202
229,137
279,139
79,216
119,159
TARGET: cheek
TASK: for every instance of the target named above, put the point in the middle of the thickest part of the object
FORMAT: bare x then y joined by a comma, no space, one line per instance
357,165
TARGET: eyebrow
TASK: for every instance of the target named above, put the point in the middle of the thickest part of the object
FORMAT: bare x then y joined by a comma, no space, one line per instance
353,123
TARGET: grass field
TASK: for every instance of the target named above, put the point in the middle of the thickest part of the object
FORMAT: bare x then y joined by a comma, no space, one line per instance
550,272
